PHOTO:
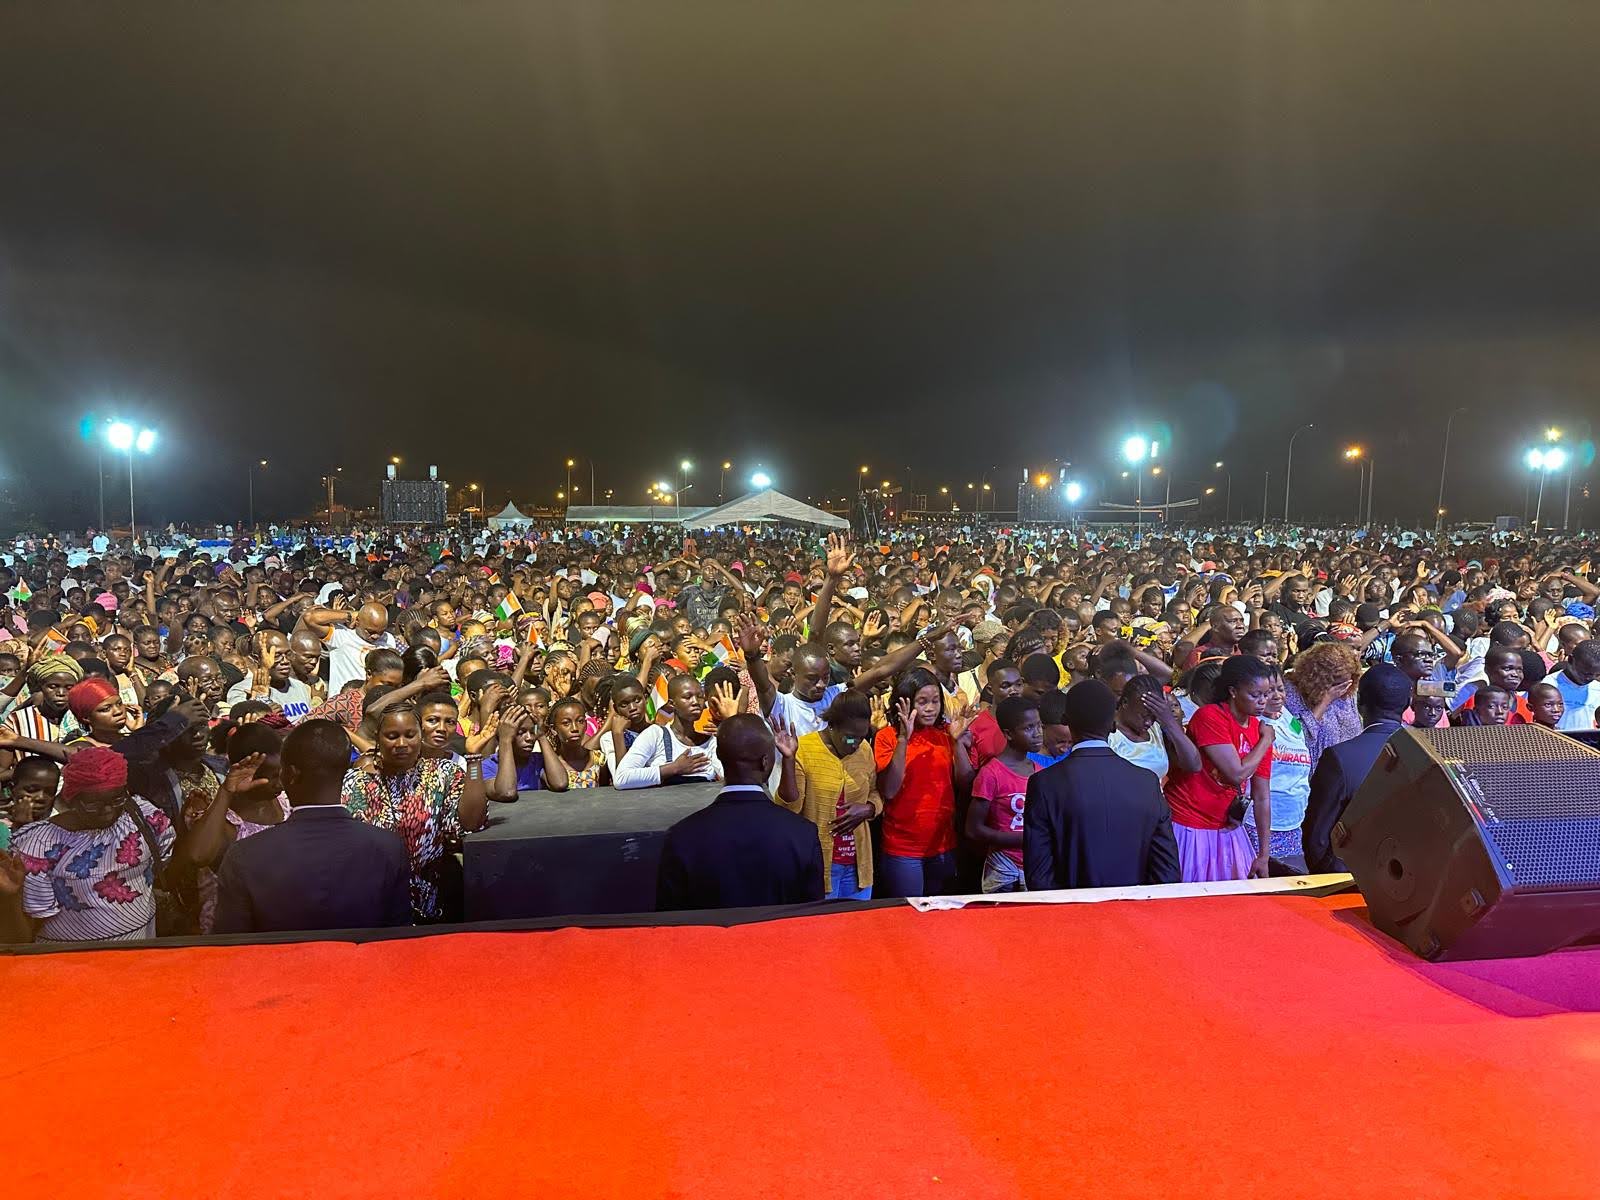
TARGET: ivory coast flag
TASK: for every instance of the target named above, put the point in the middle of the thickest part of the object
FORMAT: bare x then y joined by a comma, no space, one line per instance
508,608
720,652
657,698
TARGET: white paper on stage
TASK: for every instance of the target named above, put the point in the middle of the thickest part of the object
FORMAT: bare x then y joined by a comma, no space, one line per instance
1284,885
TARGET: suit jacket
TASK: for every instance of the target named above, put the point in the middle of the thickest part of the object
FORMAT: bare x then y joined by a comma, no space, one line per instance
1096,820
1339,773
740,851
320,869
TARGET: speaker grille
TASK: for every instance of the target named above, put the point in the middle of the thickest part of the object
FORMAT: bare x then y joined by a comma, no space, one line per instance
1539,796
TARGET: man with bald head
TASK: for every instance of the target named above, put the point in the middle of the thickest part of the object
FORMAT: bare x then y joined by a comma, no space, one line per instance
350,637
305,662
742,850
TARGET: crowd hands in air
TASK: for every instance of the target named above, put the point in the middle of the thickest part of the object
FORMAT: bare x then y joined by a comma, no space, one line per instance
188,740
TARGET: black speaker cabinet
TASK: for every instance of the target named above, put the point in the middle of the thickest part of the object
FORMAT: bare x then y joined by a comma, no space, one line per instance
1478,842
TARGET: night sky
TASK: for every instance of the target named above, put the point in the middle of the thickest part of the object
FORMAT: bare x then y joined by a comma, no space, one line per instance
947,237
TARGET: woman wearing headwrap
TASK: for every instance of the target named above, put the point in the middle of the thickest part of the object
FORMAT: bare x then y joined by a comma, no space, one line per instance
46,718
97,704
88,872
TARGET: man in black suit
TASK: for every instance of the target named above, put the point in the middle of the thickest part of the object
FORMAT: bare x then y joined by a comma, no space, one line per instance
1095,819
321,868
741,850
1383,697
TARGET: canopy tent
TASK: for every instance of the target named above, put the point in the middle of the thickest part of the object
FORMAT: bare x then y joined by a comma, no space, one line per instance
509,515
767,506
628,514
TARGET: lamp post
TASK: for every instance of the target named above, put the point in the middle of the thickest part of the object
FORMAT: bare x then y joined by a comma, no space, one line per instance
1444,461
125,438
1288,473
1554,458
252,474
1228,501
1356,455
722,481
1136,449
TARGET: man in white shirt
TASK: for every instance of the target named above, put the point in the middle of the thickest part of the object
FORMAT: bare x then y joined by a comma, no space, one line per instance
1579,684
350,637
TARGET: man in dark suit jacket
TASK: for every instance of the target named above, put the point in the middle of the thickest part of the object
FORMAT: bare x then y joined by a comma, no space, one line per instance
1095,819
321,868
741,850
1383,697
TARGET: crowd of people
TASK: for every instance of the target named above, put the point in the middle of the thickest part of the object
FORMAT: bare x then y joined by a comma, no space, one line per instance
258,738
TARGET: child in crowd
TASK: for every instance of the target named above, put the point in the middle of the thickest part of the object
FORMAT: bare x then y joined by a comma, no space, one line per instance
29,795
999,792
1492,706
1426,711
1546,704
1056,740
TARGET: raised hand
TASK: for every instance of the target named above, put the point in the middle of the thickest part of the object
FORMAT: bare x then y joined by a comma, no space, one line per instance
750,635
724,702
784,739
840,558
490,730
880,711
873,625
242,775
12,873
908,718
433,678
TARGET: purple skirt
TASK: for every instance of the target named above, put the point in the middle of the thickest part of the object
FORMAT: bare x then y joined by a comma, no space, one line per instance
1210,855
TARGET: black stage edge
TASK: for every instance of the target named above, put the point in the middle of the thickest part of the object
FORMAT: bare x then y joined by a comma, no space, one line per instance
555,854
724,918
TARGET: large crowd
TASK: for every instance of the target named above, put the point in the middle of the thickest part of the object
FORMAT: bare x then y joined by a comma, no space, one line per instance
274,736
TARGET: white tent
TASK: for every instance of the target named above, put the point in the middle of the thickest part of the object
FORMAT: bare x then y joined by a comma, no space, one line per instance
767,506
509,516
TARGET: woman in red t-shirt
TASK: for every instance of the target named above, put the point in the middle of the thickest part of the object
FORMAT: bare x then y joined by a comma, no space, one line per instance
921,761
1235,755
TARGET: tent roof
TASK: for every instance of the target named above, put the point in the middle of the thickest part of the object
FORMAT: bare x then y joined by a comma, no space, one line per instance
510,513
768,505
630,514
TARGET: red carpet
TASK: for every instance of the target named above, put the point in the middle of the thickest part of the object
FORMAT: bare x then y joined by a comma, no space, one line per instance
1230,1047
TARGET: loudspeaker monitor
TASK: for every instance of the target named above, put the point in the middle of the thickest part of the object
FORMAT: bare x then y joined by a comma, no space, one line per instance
1473,842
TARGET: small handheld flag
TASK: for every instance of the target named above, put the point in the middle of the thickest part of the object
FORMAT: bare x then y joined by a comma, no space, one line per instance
656,701
720,652
508,607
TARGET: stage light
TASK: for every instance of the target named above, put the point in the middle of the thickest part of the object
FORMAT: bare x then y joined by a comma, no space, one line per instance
1135,449
1074,491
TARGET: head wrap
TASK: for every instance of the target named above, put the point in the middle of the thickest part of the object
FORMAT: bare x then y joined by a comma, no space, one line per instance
600,600
637,640
93,769
107,601
53,664
89,694
1577,608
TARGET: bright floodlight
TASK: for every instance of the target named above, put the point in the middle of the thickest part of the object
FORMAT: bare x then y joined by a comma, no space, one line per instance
664,488
1534,459
1135,448
1074,492
760,480
685,465
120,435
145,441
1555,458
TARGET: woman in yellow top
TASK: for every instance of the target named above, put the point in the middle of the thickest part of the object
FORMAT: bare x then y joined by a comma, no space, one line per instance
831,778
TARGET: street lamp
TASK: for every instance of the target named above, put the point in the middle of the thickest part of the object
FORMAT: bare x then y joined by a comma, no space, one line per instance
1288,473
1227,501
1444,461
252,475
1357,455
1135,449
723,479
395,460
683,470
1544,461
125,439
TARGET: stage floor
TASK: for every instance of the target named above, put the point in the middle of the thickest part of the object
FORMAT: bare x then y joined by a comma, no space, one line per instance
1232,1047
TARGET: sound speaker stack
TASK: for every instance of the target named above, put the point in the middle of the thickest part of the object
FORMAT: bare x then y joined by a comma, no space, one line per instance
1478,842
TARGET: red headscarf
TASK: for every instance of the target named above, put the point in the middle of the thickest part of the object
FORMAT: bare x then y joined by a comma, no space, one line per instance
88,695
93,769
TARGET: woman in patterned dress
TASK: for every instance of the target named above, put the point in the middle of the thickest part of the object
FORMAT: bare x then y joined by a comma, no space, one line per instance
428,801
250,798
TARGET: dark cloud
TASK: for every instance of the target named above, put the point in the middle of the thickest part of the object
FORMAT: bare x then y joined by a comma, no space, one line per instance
933,236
